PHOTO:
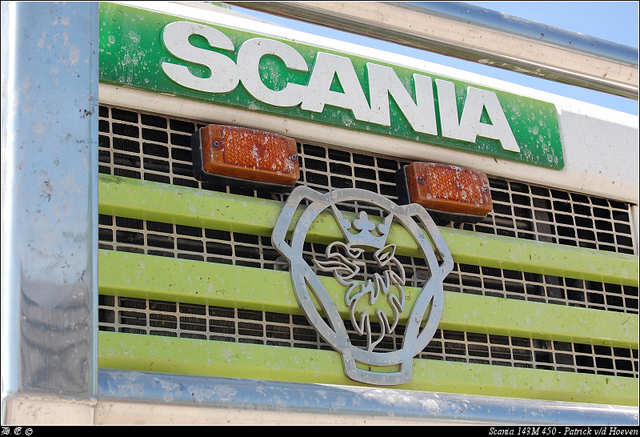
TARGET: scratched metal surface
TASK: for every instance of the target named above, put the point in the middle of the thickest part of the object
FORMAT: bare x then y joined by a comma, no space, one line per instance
49,198
353,404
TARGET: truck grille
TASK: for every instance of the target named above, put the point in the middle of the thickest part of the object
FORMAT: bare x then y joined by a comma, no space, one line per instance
156,148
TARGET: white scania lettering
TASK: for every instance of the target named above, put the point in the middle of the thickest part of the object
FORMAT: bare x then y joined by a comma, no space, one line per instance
249,57
319,93
383,85
224,72
384,82
499,128
470,126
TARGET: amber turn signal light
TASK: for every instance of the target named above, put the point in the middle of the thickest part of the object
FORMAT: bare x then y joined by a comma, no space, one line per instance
245,157
447,192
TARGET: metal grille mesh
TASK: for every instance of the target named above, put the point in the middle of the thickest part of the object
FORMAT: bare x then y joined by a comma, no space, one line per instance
149,317
156,148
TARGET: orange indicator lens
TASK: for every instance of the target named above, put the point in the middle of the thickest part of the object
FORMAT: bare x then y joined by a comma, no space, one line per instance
448,188
245,155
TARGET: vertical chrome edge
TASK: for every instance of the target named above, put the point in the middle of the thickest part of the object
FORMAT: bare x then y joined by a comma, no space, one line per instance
49,212
635,222
127,397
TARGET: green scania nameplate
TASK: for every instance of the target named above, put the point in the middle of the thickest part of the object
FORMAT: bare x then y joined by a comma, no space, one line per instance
211,63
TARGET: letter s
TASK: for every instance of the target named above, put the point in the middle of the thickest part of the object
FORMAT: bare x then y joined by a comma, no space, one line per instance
224,77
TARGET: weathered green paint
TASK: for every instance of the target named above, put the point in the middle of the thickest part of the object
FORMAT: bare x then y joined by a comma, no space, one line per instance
521,255
166,203
180,280
491,315
192,207
132,53
223,359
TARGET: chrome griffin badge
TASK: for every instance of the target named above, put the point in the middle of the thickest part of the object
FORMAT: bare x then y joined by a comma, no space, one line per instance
371,280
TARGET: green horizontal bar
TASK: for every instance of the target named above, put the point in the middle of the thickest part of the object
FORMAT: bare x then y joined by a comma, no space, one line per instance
144,200
180,280
223,359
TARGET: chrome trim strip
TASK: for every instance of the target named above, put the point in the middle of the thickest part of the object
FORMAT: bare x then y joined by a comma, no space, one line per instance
541,32
49,201
479,35
142,390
